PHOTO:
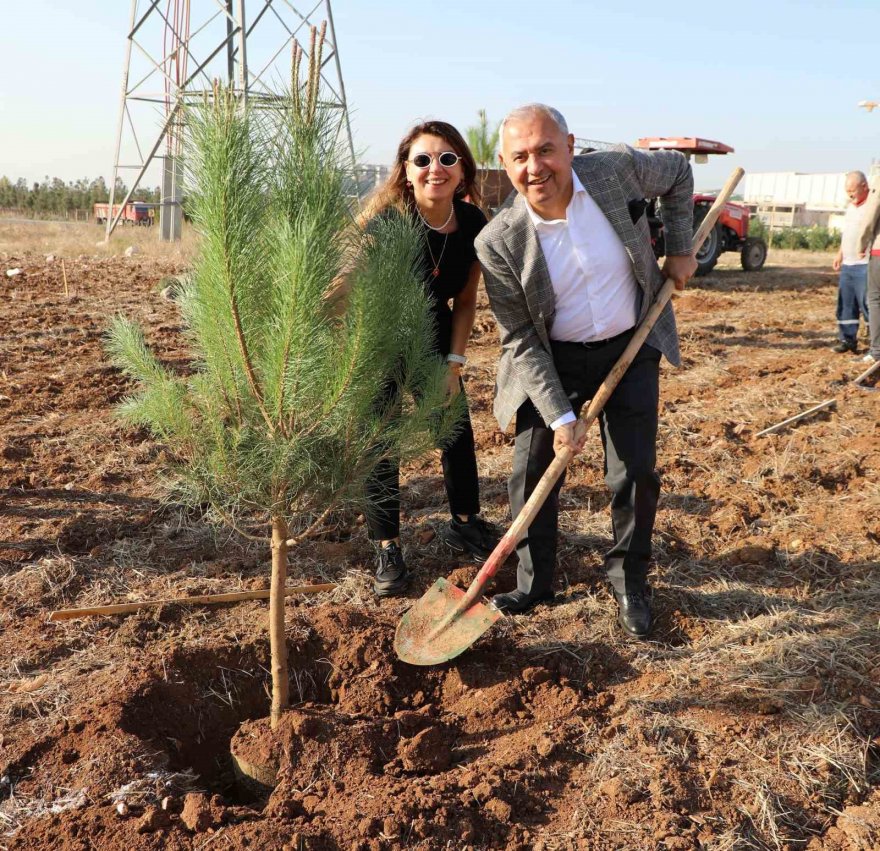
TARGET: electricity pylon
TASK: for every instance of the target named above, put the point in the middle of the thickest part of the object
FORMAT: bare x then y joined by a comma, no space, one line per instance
174,51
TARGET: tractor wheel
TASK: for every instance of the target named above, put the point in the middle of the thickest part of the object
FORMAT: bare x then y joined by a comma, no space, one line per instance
709,251
753,254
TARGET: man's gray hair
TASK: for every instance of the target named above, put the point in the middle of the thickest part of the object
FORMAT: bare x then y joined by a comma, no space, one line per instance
859,175
532,109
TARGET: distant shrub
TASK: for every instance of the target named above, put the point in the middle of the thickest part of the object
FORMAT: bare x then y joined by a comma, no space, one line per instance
822,239
813,238
757,228
791,238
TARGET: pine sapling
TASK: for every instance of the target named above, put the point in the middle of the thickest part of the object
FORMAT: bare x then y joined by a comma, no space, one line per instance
279,421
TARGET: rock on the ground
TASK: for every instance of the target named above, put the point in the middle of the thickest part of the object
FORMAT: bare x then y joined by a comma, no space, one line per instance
199,812
132,250
428,751
153,819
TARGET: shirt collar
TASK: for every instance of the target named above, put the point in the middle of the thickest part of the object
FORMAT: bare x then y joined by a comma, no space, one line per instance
537,220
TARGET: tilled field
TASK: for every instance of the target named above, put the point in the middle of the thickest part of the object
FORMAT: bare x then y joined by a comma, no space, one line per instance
751,720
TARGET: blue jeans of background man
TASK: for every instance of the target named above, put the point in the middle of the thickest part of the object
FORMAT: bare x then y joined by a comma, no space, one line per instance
851,300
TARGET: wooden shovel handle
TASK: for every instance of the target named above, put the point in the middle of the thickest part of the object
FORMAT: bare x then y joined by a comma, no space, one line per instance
597,403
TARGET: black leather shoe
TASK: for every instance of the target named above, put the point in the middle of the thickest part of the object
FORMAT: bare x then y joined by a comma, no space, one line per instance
634,613
518,602
392,577
845,346
474,536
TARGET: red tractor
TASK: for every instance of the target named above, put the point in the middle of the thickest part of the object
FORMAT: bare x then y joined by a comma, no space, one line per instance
731,233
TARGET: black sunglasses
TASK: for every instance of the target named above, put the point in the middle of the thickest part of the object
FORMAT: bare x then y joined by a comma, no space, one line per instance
447,159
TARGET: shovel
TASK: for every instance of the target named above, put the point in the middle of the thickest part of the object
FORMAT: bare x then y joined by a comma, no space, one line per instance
445,621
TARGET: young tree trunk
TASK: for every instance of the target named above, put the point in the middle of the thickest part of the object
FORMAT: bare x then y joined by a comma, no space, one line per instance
277,638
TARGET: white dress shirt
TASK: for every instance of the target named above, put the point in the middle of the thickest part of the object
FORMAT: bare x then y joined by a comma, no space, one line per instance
594,285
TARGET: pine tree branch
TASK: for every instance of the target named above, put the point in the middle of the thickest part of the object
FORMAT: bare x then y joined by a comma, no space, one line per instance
317,48
295,62
312,528
230,521
243,350
328,406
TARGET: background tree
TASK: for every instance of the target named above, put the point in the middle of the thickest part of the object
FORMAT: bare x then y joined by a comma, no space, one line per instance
279,422
483,143
55,197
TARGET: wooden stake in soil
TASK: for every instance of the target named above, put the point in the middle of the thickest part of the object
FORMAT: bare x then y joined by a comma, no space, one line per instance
200,600
867,373
64,274
809,412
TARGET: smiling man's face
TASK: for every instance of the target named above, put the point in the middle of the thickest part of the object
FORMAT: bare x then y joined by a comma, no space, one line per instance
537,156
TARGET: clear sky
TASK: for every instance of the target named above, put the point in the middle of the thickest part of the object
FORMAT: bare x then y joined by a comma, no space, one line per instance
776,79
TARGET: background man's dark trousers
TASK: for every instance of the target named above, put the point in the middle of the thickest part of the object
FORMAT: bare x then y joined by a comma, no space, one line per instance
629,433
851,301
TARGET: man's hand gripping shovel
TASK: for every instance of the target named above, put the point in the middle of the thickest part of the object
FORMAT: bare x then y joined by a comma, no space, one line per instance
445,621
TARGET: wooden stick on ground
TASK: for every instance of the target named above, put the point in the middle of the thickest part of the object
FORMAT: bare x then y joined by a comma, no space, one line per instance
64,273
202,600
867,373
815,409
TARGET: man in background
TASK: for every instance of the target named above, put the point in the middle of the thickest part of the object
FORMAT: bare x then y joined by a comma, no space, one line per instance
852,265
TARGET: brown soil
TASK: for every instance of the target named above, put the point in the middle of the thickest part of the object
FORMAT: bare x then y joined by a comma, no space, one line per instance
751,720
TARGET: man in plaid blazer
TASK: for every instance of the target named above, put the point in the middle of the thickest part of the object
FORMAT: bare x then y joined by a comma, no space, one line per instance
570,272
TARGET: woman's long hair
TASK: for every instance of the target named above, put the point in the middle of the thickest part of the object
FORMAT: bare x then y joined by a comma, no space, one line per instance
395,192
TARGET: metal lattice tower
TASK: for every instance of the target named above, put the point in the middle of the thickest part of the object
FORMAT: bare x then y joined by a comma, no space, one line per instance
175,49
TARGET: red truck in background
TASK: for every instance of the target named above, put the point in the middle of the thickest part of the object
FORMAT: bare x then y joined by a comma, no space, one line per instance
135,213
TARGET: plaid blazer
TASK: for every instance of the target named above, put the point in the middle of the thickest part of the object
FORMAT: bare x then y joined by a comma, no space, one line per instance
518,283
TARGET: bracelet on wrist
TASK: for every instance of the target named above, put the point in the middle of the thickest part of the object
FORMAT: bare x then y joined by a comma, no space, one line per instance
454,358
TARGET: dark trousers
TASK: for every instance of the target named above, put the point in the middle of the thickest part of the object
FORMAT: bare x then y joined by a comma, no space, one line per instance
851,301
874,304
629,434
458,459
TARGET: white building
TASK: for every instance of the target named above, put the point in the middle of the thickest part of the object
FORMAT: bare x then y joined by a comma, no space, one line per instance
793,199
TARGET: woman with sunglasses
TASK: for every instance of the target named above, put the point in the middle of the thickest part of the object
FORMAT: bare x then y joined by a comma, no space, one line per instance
433,171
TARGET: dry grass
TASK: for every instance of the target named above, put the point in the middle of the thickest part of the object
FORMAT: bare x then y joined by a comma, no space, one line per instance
15,810
73,239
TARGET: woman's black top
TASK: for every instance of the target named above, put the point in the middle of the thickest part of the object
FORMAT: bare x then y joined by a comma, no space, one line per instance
454,253
454,264
453,267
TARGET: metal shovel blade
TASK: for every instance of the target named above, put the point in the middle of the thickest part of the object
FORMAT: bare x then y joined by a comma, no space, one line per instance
433,631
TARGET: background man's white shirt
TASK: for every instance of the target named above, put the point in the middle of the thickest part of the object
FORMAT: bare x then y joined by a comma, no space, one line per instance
849,235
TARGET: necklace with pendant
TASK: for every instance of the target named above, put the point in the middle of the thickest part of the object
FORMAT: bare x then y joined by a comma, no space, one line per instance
435,272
